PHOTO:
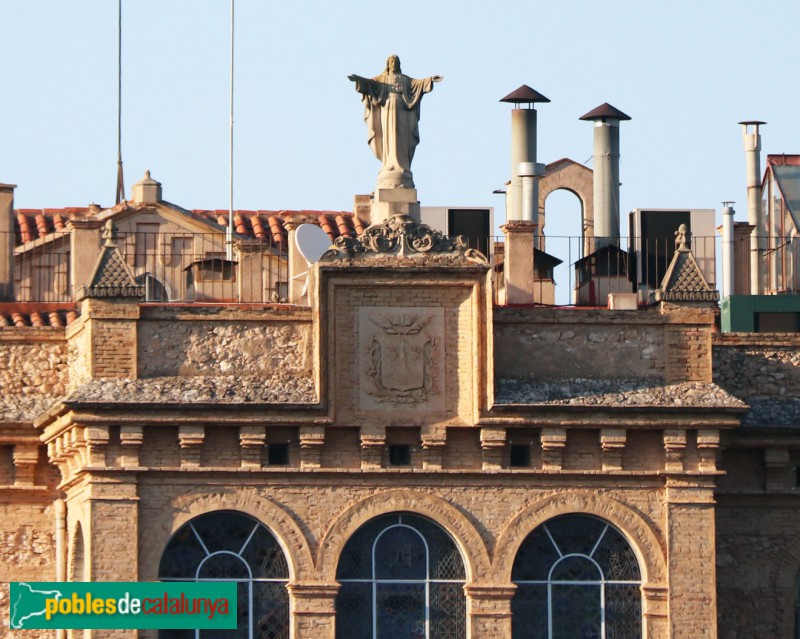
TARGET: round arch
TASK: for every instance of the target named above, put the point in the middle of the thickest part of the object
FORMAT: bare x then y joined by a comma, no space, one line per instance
469,542
568,175
634,528
275,518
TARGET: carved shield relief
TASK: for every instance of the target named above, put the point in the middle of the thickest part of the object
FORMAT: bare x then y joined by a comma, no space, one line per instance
401,358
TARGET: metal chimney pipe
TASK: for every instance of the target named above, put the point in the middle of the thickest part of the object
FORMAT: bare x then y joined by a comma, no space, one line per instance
755,212
727,250
523,144
523,151
606,173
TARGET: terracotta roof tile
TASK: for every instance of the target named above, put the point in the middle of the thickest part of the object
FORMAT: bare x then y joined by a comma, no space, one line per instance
36,315
32,224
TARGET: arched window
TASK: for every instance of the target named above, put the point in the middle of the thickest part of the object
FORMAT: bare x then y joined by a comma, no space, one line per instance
577,578
231,546
401,577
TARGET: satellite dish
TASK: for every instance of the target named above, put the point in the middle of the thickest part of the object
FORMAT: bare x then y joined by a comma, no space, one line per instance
312,242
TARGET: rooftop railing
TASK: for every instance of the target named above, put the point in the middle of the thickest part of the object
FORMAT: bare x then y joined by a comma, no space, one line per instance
193,267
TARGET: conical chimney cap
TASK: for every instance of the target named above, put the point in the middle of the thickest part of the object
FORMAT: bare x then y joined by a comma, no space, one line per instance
605,110
524,95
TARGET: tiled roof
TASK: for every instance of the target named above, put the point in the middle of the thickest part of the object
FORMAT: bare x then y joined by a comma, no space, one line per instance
32,224
35,315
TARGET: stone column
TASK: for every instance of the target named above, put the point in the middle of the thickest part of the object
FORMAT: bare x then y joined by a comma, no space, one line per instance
691,558
518,262
313,610
489,609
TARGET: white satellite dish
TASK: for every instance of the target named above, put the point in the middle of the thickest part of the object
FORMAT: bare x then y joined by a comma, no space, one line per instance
312,242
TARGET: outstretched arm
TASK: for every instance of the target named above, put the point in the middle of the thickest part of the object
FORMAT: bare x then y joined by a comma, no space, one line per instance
437,78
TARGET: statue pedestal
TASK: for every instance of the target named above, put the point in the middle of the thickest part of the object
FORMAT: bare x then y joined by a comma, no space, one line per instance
389,202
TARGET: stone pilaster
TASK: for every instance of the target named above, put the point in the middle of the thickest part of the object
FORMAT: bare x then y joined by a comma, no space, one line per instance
314,609
776,463
489,609
433,452
691,557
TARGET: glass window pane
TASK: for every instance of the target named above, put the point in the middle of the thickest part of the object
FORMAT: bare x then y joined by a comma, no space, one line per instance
535,557
616,558
270,610
265,557
354,611
400,611
575,533
575,569
623,612
400,554
182,556
223,566
224,530
529,612
448,611
576,612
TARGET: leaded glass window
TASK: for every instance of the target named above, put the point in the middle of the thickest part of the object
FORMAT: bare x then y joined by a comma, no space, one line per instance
231,546
577,578
402,577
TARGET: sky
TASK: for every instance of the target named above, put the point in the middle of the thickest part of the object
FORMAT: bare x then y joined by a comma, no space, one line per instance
685,71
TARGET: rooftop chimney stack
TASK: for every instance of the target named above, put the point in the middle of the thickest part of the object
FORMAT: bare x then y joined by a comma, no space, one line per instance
7,242
606,120
755,212
523,150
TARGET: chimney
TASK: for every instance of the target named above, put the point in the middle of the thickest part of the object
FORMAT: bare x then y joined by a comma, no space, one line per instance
755,212
7,242
606,120
146,190
727,249
523,148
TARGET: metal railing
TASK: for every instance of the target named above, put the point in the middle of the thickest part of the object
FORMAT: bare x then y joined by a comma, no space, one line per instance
192,267
591,268
173,267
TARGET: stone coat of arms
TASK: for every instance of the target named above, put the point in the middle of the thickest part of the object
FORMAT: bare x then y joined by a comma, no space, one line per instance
401,355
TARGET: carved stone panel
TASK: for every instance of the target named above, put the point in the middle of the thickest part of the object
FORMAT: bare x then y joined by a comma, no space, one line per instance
401,358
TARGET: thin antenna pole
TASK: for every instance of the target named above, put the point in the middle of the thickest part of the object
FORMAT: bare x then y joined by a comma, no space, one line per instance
120,179
230,154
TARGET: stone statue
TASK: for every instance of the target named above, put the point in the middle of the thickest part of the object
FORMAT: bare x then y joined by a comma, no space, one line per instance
391,111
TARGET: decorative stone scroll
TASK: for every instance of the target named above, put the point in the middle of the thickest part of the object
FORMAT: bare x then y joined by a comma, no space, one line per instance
401,358
401,235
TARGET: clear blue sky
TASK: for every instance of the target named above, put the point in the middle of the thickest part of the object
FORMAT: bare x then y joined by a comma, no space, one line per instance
685,71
